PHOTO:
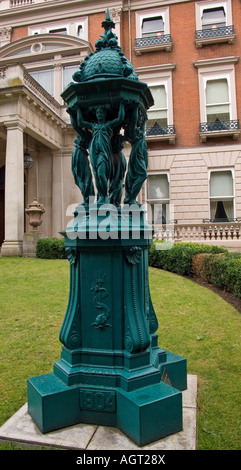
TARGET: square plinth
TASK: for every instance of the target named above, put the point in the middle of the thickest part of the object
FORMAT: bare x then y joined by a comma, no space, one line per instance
150,413
20,428
144,415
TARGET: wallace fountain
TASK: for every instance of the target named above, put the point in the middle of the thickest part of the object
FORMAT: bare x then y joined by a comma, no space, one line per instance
111,371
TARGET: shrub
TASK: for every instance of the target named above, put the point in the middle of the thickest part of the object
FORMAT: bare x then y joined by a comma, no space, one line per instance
178,258
50,248
224,272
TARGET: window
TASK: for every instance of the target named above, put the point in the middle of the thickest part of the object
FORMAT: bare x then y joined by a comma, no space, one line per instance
213,18
45,78
214,22
221,196
160,125
158,199
80,31
217,100
58,31
153,31
68,72
152,26
157,114
217,93
77,27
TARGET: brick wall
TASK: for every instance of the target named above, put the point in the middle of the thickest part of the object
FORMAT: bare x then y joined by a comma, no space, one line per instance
20,32
185,76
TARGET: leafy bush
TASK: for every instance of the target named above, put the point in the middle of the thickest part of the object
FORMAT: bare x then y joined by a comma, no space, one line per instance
177,257
50,248
224,272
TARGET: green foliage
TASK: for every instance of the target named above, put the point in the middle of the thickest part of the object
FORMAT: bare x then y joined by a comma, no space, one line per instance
223,272
51,248
177,257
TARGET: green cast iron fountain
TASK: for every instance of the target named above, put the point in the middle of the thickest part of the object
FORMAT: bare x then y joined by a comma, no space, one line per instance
111,371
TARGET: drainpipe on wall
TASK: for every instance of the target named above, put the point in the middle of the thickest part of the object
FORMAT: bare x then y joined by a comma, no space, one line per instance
129,15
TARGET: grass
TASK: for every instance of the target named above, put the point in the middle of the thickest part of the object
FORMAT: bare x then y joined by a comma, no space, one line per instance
193,322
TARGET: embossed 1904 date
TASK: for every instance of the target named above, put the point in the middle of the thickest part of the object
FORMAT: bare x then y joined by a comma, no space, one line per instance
97,400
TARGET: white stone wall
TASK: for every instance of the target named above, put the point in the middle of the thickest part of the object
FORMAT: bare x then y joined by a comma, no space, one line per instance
189,178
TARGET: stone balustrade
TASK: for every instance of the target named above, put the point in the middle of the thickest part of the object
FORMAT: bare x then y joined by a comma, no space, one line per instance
223,234
24,3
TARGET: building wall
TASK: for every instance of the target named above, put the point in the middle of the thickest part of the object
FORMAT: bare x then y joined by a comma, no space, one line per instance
184,53
189,161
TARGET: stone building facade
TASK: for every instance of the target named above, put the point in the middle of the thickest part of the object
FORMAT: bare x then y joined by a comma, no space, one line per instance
189,54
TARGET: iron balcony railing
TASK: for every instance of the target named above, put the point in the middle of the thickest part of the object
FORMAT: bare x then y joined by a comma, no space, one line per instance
160,130
219,126
153,40
215,32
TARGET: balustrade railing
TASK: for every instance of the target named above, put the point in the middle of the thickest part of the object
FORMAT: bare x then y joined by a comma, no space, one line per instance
24,3
215,233
219,126
160,130
41,93
215,32
20,3
153,40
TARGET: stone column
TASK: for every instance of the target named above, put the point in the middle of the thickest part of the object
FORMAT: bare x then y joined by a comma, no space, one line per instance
14,190
57,194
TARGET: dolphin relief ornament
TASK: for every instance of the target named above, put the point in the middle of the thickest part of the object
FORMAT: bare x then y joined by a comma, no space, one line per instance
112,371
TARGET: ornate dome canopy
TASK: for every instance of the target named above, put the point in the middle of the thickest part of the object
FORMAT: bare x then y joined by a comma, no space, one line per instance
108,60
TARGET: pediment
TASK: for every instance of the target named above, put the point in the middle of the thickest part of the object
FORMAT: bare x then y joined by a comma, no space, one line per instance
43,46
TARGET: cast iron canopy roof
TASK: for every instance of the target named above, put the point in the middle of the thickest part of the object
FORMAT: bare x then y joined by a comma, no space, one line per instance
108,60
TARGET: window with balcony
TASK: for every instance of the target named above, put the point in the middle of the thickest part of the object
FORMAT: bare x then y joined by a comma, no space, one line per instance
214,22
159,125
217,92
152,31
157,114
221,196
158,199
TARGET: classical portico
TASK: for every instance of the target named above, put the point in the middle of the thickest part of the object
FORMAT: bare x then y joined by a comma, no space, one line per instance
30,118
25,116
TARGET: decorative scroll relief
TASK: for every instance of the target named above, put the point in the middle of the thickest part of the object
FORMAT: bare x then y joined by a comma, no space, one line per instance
137,336
133,254
70,332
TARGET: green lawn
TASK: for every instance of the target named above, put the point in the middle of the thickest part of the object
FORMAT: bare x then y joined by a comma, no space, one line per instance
193,322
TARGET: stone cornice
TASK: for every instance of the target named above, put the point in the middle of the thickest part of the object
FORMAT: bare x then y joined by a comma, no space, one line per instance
155,68
140,5
216,61
54,10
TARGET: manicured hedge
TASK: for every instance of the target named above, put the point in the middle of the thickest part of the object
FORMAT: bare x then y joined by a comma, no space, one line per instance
218,267
223,272
177,257
50,248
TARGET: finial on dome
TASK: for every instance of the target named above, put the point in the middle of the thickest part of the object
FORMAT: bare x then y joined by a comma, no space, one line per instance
108,23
